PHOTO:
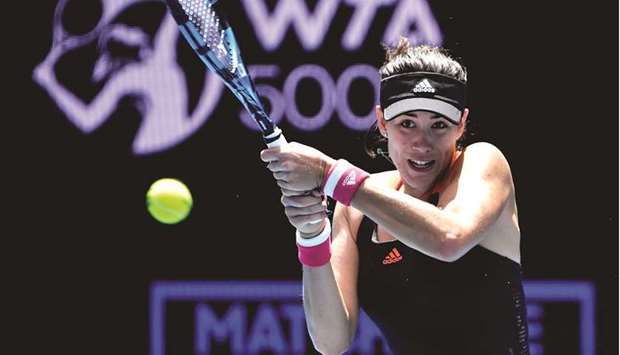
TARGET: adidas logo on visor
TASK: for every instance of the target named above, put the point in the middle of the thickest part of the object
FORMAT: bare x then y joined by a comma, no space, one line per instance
424,86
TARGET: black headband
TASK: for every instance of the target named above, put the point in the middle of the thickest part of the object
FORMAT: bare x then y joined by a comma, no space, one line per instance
434,92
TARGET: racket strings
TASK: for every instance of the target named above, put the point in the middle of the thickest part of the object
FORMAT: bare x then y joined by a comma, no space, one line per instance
208,23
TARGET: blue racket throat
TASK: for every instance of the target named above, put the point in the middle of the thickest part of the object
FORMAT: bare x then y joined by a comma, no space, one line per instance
205,27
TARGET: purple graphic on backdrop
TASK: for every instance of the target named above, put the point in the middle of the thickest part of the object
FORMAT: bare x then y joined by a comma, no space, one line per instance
333,95
155,77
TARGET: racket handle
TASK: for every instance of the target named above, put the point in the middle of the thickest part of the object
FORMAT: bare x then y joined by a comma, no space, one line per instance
276,139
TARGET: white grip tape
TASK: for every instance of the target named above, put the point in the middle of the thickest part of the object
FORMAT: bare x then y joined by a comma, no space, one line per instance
281,141
278,142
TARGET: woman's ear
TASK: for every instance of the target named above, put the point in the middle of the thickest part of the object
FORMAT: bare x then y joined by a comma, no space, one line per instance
380,121
463,122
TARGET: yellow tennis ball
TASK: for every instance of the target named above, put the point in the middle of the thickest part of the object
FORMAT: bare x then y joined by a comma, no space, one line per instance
169,201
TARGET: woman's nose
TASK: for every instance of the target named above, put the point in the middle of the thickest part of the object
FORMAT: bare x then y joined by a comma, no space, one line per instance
421,144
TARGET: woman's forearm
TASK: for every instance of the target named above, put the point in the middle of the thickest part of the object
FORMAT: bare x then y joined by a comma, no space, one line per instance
326,316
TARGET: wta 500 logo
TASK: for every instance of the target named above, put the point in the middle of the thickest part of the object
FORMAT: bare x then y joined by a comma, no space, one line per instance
126,53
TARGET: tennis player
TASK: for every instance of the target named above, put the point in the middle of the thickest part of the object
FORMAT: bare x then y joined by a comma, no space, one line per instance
430,250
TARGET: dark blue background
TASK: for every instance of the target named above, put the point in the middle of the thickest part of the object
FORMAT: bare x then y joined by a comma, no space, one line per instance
542,87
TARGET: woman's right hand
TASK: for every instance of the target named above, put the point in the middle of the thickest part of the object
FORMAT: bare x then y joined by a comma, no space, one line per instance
307,212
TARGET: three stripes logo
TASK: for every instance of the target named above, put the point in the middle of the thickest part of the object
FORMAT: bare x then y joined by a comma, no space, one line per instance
393,257
350,179
424,86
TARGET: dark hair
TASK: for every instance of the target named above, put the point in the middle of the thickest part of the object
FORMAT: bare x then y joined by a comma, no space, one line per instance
405,58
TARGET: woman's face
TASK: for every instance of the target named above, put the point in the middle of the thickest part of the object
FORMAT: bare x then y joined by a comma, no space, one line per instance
421,145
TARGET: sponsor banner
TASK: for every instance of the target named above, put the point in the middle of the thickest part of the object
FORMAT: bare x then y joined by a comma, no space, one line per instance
254,317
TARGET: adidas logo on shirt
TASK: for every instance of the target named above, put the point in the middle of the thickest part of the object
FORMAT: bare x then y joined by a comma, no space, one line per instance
424,86
393,257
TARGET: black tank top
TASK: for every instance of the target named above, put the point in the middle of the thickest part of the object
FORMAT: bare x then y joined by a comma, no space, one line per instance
425,306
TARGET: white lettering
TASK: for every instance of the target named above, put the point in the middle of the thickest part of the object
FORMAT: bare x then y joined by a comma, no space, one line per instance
413,12
311,27
365,11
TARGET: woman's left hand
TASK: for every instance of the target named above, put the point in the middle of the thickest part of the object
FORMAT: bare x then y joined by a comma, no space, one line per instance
296,166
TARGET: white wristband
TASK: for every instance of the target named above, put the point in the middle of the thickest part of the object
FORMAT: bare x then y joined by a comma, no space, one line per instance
340,168
314,241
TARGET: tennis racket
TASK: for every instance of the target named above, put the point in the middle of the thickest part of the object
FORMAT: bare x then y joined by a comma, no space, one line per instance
205,28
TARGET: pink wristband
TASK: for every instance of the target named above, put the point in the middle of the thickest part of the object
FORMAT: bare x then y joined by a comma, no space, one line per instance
343,180
315,251
327,175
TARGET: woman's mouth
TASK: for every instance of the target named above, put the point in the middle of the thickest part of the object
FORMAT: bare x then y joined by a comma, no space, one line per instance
421,165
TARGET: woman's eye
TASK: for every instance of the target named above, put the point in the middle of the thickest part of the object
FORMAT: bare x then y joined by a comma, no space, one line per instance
407,123
440,125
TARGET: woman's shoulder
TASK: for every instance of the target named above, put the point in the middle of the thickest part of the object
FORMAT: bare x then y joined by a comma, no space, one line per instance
484,149
485,159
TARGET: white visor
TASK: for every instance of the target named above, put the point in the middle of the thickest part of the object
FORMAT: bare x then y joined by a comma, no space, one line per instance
425,104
